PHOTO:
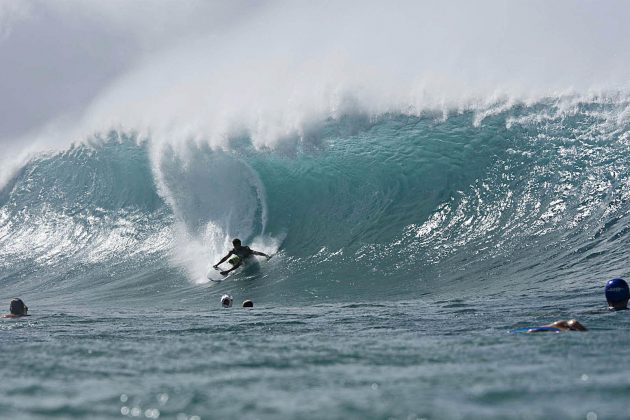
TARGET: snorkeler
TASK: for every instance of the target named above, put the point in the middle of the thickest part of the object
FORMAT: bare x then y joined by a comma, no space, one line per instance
240,254
617,294
17,308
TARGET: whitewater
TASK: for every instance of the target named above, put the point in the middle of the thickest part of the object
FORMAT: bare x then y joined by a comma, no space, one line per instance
424,185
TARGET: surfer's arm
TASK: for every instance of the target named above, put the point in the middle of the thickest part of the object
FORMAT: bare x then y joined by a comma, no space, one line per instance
261,254
223,260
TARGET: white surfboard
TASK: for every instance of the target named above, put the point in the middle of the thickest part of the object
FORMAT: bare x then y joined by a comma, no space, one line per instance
215,275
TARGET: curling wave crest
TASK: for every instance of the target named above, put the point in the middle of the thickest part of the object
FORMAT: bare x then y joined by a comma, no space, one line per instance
359,205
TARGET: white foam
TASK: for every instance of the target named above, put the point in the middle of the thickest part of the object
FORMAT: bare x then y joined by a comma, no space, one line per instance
271,69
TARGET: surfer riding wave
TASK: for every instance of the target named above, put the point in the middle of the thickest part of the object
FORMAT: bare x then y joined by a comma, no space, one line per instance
239,254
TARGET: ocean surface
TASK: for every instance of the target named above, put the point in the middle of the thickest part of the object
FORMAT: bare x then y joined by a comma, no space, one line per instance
406,246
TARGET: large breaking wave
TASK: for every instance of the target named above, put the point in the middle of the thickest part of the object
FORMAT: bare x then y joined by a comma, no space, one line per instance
502,197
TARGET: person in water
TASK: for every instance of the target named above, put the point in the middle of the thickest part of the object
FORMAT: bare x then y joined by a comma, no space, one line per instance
570,325
17,308
557,326
617,294
240,253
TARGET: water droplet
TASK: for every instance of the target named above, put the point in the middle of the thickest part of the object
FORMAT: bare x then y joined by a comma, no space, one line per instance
591,416
152,413
124,398
163,398
124,410
584,377
375,386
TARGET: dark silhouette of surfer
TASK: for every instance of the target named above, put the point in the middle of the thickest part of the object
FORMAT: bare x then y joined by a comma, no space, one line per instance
239,254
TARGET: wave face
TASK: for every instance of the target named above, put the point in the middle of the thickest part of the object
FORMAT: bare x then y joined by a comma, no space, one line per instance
509,199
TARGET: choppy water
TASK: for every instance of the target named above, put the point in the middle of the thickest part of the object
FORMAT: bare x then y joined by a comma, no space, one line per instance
412,359
407,246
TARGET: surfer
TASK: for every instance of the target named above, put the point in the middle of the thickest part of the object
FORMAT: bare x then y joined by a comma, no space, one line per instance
239,254
617,294
17,308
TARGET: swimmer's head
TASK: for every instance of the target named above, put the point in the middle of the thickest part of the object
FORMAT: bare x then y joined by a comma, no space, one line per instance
17,307
248,304
236,242
617,293
226,301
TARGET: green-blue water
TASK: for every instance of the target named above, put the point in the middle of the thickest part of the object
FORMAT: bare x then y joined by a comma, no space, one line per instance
406,249
412,359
